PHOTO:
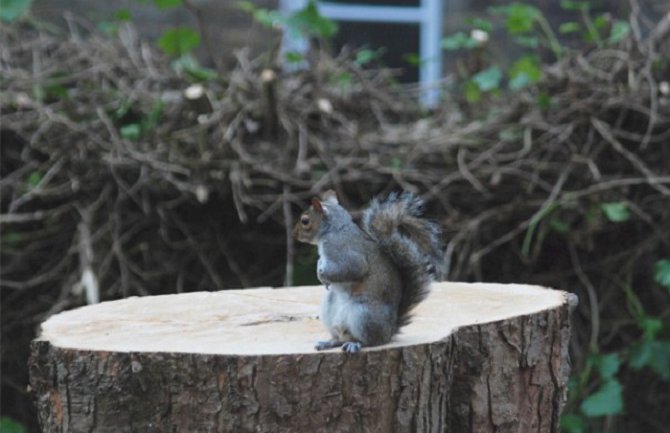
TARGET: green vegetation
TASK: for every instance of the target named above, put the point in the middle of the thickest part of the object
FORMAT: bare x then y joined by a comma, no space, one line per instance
526,26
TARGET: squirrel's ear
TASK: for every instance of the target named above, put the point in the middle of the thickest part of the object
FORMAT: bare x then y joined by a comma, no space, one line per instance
316,204
330,196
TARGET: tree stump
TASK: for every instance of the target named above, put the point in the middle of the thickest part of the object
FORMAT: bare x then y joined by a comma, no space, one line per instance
476,358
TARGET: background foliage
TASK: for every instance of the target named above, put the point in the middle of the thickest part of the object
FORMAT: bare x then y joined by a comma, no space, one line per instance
129,171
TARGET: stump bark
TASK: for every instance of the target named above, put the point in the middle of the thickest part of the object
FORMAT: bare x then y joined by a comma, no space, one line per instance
476,358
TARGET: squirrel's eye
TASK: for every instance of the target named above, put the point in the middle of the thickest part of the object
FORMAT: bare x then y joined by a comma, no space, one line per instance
304,220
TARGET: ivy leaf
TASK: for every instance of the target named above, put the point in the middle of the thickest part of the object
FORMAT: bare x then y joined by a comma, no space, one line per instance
458,41
123,15
524,71
167,4
662,276
572,424
616,211
569,27
607,400
569,5
179,41
488,79
365,56
191,67
8,425
651,327
131,131
608,365
412,58
620,29
472,92
480,23
653,354
559,226
293,57
544,100
11,10
311,23
34,179
527,41
520,17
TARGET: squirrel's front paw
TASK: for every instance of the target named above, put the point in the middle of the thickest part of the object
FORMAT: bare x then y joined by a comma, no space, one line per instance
352,347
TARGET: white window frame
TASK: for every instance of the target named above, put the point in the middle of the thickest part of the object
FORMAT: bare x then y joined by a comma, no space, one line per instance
428,16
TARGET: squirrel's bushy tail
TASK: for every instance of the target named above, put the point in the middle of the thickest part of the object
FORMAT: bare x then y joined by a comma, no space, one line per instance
412,242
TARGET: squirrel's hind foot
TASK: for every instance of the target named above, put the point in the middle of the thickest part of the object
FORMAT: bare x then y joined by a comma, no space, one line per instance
352,346
325,345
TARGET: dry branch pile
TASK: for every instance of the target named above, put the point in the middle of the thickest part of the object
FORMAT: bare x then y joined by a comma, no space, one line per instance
117,181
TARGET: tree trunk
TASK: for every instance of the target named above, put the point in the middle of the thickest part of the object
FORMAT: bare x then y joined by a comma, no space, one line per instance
476,358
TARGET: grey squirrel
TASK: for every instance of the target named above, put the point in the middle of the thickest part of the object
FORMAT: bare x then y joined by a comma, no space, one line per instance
374,274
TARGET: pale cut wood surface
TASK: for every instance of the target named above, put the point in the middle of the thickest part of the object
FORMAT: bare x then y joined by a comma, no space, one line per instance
477,358
273,321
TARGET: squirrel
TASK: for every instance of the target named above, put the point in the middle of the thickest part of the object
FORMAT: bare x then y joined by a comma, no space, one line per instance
374,274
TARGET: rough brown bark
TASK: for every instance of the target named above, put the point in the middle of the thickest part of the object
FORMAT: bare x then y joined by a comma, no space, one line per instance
506,375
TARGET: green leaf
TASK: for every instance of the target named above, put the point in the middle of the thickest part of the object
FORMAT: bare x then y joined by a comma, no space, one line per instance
247,6
519,81
167,4
525,71
608,365
412,58
601,21
616,211
190,66
569,5
569,27
607,400
529,65
179,41
8,425
653,354
472,92
620,29
480,23
520,17
344,80
131,131
366,55
559,226
572,424
458,41
293,57
123,15
154,116
488,79
544,101
269,18
34,179
310,22
651,327
11,10
662,275
108,27
527,41
265,17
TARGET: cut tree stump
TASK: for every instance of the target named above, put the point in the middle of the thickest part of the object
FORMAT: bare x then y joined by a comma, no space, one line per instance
476,358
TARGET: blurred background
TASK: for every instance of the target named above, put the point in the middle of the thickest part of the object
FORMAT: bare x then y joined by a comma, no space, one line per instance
164,146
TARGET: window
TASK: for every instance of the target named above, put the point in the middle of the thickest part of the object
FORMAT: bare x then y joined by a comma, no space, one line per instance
417,22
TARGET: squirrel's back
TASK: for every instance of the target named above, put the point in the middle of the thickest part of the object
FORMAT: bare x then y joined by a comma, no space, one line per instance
412,243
